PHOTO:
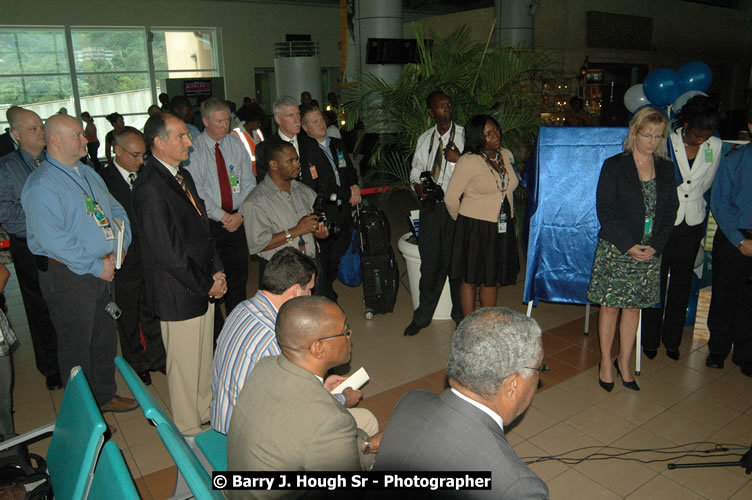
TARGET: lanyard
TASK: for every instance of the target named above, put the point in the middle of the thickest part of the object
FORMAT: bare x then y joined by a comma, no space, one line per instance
93,196
433,136
500,171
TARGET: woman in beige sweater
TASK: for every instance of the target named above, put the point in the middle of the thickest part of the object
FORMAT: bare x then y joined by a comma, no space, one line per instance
479,198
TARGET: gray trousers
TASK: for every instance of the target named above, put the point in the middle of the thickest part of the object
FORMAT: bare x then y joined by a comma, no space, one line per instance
87,335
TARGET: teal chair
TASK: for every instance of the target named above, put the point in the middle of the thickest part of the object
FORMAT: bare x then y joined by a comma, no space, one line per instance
77,438
111,477
213,446
192,474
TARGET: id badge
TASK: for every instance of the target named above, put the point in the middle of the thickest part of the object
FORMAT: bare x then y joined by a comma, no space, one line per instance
234,183
708,155
501,224
109,234
89,204
648,228
314,173
341,160
99,216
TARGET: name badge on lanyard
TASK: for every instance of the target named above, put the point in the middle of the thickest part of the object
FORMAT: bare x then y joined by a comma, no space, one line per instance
93,209
708,155
341,160
234,184
501,224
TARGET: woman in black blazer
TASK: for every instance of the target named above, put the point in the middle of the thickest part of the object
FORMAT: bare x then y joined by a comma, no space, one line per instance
636,203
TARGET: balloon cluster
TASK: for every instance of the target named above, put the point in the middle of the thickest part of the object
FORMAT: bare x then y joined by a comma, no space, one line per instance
666,87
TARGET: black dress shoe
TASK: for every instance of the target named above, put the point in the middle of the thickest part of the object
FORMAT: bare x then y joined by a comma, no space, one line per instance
412,329
145,377
714,362
53,382
650,353
607,386
673,354
629,385
161,369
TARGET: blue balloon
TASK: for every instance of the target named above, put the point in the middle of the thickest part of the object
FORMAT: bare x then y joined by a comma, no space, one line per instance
695,75
662,87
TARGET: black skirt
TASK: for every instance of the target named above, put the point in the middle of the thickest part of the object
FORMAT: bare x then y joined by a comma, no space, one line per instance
483,256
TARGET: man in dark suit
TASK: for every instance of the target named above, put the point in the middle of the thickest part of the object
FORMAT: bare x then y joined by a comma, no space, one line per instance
334,177
494,364
181,266
8,143
136,317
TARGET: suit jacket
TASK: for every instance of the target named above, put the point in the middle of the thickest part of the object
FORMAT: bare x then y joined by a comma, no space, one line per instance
121,191
309,155
177,249
325,181
620,204
285,419
443,432
6,144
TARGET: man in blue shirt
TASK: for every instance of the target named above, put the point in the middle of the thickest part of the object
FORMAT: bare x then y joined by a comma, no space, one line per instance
15,168
730,316
72,228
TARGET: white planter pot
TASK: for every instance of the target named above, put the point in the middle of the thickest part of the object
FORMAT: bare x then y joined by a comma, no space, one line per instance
412,258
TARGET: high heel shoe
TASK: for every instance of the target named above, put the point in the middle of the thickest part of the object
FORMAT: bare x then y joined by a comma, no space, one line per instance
607,386
629,385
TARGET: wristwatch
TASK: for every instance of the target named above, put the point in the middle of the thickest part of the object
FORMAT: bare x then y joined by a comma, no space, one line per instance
288,236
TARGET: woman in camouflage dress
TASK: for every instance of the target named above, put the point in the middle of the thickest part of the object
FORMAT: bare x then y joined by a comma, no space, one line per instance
636,202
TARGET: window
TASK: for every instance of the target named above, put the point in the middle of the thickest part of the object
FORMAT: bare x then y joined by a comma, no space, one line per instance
110,67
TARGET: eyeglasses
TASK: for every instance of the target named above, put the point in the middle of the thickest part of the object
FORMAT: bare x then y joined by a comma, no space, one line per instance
347,333
135,156
543,368
651,137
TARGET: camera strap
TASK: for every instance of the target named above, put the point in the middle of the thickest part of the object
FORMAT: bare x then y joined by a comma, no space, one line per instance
437,163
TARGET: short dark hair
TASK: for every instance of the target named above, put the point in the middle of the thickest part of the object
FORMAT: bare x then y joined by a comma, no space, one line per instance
699,113
274,149
285,269
434,95
179,102
475,140
113,117
156,126
117,137
301,320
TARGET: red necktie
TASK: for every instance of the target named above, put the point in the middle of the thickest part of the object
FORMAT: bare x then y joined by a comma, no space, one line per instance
224,180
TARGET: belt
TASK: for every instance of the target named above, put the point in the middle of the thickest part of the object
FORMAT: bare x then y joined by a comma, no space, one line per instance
55,261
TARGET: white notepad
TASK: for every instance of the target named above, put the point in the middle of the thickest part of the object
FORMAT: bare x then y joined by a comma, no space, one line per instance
354,381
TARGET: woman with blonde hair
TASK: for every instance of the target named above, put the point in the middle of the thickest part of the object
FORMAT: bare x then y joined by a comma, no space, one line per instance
636,203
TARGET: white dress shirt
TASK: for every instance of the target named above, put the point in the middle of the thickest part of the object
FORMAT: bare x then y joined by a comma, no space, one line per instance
425,152
485,409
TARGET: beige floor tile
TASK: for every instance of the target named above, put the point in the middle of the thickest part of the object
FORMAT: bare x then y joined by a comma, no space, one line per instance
600,424
151,457
431,360
686,377
161,483
696,361
546,470
677,428
559,403
131,462
660,488
530,423
744,493
714,483
41,447
708,413
30,415
728,394
734,446
662,393
573,484
563,439
621,477
392,374
139,432
740,428
641,439
371,389
629,405
585,385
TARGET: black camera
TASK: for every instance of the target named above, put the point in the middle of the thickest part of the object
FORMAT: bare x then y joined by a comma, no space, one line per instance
113,310
434,193
319,210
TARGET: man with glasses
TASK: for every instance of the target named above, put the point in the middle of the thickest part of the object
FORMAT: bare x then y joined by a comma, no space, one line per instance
494,368
248,336
285,418
136,317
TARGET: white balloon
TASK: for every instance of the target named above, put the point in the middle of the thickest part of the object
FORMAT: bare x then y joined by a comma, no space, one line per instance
634,98
686,96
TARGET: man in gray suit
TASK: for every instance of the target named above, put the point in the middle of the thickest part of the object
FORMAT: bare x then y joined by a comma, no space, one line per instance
285,418
493,372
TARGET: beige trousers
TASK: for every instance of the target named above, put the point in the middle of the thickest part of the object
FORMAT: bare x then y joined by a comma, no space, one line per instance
189,369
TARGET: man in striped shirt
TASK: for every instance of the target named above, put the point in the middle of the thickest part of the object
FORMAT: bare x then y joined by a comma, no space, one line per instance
248,335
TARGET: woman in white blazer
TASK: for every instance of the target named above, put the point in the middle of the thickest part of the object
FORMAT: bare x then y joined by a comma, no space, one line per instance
696,153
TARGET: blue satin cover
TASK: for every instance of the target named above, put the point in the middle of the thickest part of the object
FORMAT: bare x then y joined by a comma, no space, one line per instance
562,177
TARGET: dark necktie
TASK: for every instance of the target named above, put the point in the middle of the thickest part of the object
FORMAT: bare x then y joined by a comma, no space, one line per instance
181,180
436,170
225,190
132,178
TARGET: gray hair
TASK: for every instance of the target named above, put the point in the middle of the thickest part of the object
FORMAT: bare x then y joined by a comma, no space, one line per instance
283,100
119,137
490,345
213,104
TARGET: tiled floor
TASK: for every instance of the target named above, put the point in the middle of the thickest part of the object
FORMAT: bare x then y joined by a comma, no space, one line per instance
681,402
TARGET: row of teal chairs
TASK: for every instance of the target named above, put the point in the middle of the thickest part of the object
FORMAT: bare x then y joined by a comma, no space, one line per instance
79,462
193,479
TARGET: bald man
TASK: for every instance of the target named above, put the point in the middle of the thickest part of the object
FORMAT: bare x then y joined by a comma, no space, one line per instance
70,228
27,130
285,418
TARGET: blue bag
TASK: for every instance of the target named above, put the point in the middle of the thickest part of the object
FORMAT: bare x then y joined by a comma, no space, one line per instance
349,265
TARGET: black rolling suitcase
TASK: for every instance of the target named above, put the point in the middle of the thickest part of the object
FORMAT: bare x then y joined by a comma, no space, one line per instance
379,267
